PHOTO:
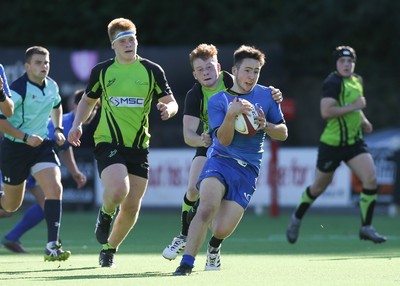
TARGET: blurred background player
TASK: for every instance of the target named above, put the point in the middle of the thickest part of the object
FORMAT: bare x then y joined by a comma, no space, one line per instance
342,140
34,215
26,148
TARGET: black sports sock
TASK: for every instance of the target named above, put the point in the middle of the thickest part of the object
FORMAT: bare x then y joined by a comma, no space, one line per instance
186,206
215,242
52,214
305,202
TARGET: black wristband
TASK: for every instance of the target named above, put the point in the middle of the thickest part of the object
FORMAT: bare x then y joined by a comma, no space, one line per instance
61,129
3,95
26,137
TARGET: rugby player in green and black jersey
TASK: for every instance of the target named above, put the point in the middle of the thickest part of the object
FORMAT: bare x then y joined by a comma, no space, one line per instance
126,86
342,140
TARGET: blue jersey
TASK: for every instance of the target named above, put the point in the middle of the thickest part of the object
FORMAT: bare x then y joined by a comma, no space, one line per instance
5,82
245,148
68,119
33,105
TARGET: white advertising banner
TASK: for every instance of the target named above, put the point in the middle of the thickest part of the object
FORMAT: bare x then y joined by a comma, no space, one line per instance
169,169
296,168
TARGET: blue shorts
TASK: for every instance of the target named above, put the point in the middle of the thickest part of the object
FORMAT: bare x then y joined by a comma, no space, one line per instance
239,180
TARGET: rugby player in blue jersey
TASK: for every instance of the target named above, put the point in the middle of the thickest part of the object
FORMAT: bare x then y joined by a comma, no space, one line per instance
210,79
229,176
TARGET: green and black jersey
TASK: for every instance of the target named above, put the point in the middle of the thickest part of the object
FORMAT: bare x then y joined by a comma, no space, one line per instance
197,97
126,93
344,130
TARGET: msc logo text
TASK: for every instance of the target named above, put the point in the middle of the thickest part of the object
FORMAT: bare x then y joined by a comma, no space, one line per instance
127,101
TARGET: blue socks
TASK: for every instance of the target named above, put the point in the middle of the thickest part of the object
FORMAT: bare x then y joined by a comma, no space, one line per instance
188,259
33,216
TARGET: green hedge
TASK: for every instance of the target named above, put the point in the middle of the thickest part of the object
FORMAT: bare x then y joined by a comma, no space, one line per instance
305,30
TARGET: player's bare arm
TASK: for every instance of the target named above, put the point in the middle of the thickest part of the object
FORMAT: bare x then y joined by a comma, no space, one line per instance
190,126
226,131
30,139
167,106
277,131
366,124
83,112
329,108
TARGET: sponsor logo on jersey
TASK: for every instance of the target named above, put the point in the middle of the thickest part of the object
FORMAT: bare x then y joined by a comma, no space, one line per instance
139,82
127,101
110,82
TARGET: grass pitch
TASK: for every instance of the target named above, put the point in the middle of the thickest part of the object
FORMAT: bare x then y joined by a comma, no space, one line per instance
328,252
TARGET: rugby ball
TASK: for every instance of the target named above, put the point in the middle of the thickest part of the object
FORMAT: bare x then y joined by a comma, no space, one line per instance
245,124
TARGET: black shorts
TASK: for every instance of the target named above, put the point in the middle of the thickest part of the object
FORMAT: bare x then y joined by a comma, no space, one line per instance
329,157
201,152
135,160
17,159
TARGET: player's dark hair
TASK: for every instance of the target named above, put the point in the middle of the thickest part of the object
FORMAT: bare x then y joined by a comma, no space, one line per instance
35,50
247,52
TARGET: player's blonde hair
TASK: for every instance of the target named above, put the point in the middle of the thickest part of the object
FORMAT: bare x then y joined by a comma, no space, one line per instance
119,25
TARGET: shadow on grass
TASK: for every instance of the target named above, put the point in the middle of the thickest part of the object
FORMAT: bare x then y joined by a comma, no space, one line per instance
107,276
356,258
22,272
25,274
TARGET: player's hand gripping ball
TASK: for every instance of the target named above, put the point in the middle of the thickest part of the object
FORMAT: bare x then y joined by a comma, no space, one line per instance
246,123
